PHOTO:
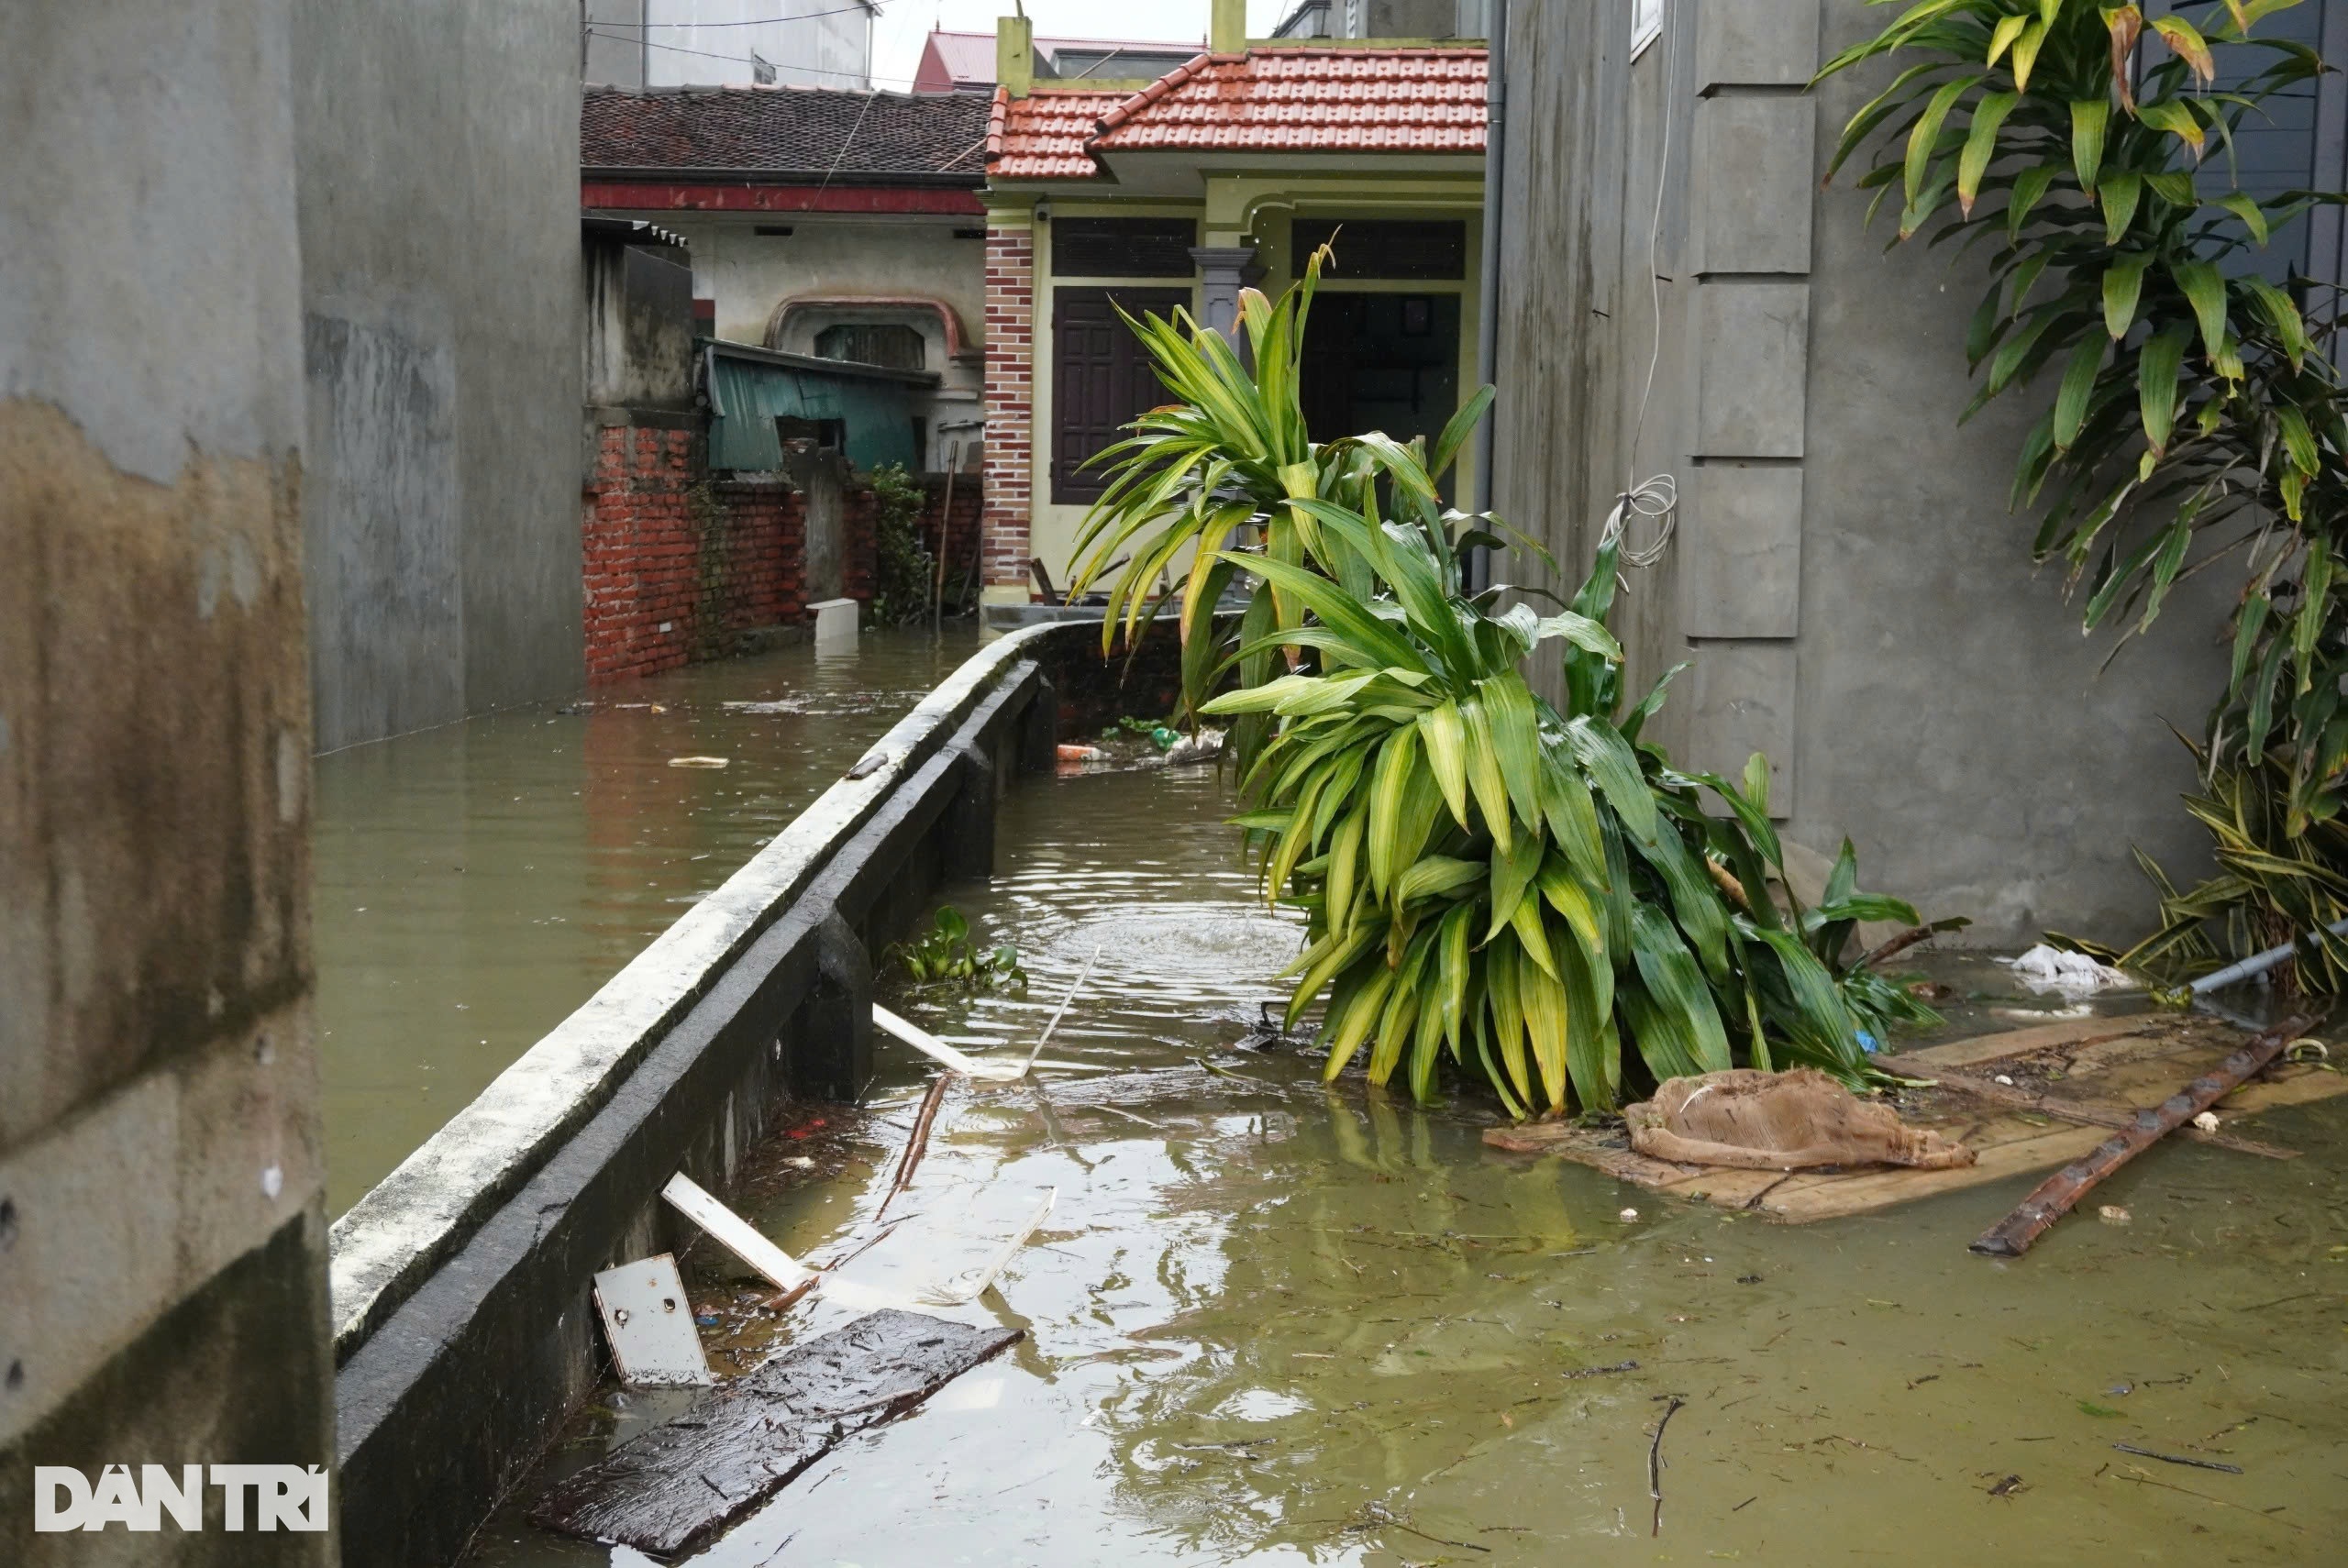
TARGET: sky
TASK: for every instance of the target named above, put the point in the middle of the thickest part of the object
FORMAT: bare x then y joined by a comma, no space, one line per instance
903,24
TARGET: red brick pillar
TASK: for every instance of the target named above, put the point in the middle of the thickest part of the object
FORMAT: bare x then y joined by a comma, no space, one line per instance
1011,405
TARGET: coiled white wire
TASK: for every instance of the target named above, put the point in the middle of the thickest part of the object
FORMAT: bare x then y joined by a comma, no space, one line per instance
1657,498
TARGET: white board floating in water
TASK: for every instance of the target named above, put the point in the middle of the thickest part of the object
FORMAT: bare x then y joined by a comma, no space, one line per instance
649,1323
735,1234
937,1050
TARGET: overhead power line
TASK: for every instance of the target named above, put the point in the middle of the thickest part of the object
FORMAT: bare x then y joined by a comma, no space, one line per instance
755,21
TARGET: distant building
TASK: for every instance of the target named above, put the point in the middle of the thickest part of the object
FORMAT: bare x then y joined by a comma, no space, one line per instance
1230,169
739,43
841,224
964,62
1385,20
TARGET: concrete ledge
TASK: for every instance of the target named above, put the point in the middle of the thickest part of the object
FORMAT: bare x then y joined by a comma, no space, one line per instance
455,1391
480,1339
426,1208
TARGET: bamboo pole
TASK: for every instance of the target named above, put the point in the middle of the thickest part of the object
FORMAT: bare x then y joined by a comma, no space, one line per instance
2058,1194
945,537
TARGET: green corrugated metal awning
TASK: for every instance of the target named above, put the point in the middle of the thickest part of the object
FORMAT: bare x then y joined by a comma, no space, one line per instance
748,391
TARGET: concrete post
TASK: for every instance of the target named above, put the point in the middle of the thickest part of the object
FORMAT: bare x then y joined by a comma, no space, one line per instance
1040,730
1227,30
1224,270
831,1055
966,832
1014,55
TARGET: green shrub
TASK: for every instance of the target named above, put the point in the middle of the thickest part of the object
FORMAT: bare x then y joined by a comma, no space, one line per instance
1529,891
904,569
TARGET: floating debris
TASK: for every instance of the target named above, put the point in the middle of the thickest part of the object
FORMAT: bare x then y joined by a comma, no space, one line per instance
682,1481
699,761
1797,1119
736,1235
650,1325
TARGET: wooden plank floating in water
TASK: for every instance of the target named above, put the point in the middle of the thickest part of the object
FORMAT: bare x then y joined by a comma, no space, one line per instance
678,1485
2105,1066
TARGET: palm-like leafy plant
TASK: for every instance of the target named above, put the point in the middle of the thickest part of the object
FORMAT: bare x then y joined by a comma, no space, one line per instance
2191,410
2271,885
1531,890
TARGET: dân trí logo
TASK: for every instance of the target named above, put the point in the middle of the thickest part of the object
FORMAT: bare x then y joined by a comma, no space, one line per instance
253,1497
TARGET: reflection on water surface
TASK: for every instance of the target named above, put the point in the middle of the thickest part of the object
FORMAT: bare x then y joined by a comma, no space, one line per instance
1275,1324
477,882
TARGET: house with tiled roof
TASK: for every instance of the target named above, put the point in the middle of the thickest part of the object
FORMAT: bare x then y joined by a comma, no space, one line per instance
1176,190
818,222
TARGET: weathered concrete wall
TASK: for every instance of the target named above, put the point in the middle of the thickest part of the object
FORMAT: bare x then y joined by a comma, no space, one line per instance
437,144
639,326
1856,597
162,1234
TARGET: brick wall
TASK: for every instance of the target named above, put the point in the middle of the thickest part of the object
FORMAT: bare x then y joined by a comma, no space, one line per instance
673,564
1010,408
677,564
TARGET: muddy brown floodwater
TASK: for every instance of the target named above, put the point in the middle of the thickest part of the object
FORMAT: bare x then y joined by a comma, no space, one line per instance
477,882
1271,1322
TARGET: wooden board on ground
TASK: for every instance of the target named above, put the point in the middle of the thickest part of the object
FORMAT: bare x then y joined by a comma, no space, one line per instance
2110,1064
680,1482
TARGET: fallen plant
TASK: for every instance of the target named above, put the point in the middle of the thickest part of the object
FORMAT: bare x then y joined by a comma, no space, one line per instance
1527,888
2271,885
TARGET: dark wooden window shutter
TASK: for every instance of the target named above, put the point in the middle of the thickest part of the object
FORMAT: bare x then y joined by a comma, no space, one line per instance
1102,380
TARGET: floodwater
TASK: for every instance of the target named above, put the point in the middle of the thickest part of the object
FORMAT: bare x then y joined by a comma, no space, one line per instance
1271,1322
477,882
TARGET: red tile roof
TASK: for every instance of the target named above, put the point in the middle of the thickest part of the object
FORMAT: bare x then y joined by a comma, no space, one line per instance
1041,136
1318,100
1367,100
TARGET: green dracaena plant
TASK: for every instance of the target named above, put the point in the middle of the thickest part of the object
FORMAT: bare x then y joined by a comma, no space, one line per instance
1527,890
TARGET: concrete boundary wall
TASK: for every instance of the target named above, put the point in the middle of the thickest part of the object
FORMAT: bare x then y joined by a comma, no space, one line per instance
1854,596
425,1209
465,1328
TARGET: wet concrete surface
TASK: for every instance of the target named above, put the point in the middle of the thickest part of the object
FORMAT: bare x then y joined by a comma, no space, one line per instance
476,883
1274,1323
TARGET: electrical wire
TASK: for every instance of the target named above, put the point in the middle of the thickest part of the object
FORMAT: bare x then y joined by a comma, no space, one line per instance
757,21
849,141
1657,498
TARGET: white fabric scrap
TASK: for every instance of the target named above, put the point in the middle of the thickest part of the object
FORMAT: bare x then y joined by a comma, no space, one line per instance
2050,969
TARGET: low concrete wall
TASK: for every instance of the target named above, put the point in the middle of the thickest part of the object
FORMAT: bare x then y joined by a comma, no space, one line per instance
463,1321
